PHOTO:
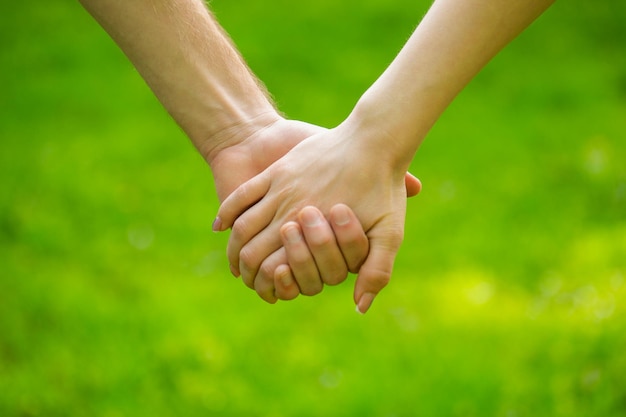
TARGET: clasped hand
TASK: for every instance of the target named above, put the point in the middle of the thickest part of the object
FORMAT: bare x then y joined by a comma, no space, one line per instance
282,243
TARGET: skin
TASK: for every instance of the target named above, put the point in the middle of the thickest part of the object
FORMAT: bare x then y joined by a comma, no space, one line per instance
308,243
197,74
361,162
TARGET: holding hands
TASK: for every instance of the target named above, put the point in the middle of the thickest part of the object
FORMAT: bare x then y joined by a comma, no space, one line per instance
362,162
325,169
309,251
308,205
312,252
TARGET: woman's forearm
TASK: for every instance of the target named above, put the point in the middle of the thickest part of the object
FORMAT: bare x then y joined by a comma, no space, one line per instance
189,63
454,41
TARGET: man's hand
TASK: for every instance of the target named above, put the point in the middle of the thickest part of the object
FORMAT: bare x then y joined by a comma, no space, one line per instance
256,147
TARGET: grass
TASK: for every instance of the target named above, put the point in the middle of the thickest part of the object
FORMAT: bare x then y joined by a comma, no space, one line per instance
508,297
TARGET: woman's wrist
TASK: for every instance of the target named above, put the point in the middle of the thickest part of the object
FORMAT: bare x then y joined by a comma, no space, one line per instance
382,133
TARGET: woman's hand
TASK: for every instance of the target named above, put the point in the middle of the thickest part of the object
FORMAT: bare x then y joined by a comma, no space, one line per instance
331,167
319,252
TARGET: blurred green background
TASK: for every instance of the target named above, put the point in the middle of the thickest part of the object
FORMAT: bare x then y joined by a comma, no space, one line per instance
509,293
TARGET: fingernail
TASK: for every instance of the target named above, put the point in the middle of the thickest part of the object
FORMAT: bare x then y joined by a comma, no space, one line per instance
310,217
217,225
365,302
234,271
341,217
292,234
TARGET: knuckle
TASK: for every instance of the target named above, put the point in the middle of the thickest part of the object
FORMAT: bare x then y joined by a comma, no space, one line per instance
267,297
287,294
355,266
239,229
355,258
266,270
379,279
394,239
312,289
265,289
335,277
299,260
243,191
375,278
248,280
248,259
322,241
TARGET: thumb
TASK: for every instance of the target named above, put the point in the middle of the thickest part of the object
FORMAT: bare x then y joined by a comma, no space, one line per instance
245,196
375,273
413,185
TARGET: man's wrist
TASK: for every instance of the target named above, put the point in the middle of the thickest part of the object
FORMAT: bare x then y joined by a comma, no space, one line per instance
233,131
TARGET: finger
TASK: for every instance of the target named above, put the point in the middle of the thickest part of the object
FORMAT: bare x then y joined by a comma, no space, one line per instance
300,260
240,200
375,273
244,230
413,185
321,242
264,281
350,236
285,284
254,252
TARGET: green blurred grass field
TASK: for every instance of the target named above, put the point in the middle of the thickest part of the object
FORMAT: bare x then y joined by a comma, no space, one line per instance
509,294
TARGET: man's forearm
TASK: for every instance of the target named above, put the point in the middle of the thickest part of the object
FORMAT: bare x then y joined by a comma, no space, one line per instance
454,41
190,64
